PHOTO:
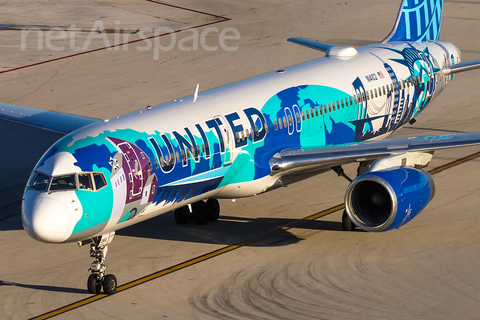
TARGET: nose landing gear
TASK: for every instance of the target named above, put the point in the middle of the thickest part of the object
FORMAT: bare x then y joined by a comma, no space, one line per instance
98,268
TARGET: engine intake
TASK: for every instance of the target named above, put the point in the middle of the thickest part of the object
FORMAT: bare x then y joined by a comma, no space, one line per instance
387,199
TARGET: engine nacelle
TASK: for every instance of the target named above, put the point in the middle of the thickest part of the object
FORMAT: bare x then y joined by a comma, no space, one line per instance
387,199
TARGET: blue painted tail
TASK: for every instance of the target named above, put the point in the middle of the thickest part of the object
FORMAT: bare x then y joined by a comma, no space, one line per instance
417,20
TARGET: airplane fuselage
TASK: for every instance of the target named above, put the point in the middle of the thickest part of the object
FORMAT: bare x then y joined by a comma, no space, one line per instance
116,173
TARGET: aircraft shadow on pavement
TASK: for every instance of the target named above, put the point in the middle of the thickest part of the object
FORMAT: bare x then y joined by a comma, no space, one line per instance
44,288
11,224
227,230
22,146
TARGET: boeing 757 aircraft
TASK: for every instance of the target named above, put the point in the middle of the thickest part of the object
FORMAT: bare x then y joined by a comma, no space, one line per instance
251,137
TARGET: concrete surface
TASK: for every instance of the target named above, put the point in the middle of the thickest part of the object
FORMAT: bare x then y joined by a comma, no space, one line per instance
426,270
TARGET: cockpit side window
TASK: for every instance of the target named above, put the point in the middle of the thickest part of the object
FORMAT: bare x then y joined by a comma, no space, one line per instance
85,181
38,181
99,180
65,182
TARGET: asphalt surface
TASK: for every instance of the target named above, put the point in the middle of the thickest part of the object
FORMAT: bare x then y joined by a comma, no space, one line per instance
426,270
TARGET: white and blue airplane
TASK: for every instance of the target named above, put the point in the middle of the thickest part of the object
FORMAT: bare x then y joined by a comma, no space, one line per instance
251,137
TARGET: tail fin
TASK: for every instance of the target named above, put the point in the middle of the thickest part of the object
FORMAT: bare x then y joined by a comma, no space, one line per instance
417,20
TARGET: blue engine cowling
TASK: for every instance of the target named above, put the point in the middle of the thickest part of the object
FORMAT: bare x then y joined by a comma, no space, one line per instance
387,199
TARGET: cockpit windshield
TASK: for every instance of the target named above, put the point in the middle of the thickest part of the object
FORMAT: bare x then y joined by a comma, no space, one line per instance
66,182
90,181
38,181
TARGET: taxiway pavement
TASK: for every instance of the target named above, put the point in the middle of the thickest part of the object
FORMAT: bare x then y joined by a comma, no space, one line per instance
426,270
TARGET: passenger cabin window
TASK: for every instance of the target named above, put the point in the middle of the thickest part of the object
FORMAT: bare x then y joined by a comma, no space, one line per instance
316,111
84,181
65,182
274,124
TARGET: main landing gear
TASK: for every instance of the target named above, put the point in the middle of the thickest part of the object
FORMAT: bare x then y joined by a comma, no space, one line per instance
347,223
363,167
201,212
98,277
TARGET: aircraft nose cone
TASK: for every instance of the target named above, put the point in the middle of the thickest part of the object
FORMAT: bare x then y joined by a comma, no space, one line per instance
44,219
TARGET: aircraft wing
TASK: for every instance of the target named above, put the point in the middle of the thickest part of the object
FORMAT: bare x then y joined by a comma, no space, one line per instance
43,119
293,160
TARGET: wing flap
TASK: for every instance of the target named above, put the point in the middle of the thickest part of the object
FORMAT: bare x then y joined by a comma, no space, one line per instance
293,160
43,119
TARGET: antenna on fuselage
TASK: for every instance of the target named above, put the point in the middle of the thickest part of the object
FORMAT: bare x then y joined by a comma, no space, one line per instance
195,96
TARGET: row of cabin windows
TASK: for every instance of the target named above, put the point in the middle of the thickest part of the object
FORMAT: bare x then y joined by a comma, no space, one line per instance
349,101
249,133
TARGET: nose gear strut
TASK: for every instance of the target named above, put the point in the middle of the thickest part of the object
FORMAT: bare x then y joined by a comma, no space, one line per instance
98,277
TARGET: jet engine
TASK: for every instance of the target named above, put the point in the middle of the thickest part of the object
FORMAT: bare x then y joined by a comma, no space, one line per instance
387,199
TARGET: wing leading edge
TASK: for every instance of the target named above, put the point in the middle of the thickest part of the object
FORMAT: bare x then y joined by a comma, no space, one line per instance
43,119
293,160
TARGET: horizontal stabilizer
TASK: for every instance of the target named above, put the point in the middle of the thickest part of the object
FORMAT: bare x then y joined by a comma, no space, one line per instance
330,50
461,67
311,44
43,119
298,159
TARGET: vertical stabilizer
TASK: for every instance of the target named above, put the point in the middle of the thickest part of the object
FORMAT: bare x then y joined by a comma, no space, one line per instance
417,20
